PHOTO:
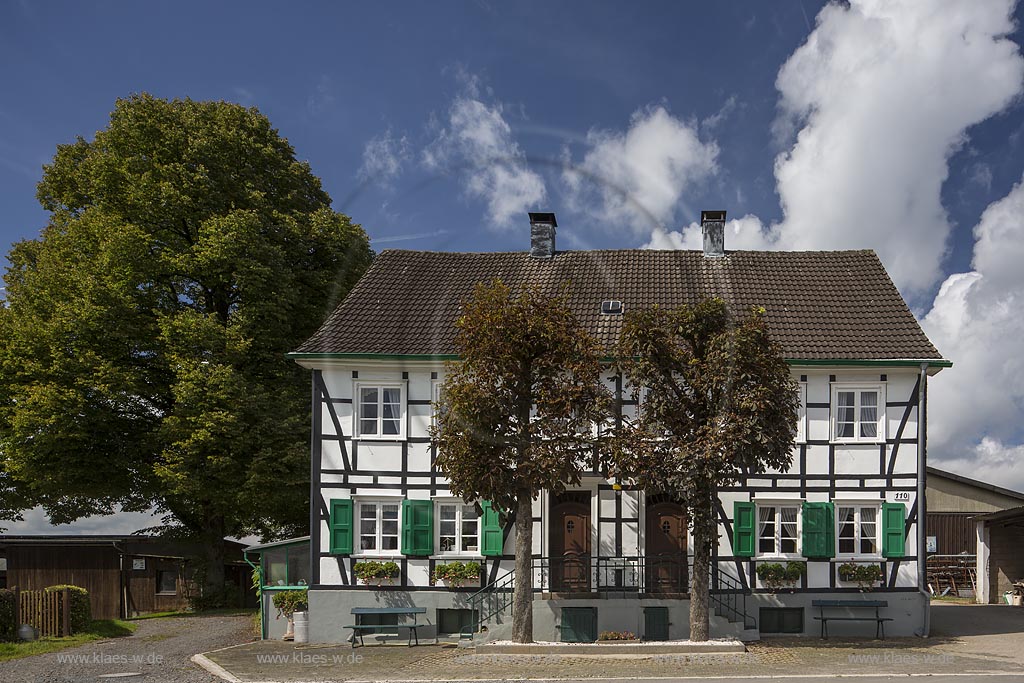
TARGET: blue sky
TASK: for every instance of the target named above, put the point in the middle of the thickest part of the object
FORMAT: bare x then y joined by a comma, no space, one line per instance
890,126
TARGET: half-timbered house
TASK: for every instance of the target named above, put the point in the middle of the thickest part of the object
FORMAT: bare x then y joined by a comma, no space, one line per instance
606,556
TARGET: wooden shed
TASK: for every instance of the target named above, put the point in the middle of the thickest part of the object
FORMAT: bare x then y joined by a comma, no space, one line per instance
125,575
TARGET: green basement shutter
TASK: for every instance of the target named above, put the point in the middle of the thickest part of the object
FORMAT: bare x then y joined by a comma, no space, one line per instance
492,535
819,530
743,529
340,527
417,527
894,516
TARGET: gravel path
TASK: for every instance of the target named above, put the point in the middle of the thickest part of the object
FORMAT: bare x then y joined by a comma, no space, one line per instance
159,650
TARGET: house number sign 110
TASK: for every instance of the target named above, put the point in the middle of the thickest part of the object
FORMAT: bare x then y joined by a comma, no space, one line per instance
901,495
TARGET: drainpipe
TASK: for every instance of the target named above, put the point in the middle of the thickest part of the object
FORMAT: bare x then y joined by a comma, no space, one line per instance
922,507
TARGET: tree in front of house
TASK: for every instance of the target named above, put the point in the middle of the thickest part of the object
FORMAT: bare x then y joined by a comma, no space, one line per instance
718,401
518,411
142,361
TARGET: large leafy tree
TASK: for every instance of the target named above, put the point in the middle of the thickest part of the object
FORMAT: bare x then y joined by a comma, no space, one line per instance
518,412
142,351
718,401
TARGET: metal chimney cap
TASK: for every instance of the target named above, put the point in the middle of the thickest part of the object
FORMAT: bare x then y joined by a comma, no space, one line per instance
548,218
709,216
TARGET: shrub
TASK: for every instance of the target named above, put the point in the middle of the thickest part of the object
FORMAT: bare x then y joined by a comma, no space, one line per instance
8,629
456,573
865,575
373,571
616,635
775,576
81,608
290,602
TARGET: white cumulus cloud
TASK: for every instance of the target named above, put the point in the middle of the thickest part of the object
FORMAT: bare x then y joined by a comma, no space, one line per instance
476,142
637,177
976,322
384,156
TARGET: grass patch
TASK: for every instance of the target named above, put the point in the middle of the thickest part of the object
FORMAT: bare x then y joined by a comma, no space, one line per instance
98,630
225,612
953,599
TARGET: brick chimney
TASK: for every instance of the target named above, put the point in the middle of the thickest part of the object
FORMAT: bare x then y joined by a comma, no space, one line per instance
542,235
713,225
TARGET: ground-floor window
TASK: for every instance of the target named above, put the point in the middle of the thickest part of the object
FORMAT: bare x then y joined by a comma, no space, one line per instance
777,529
378,526
453,621
782,620
858,529
167,581
458,528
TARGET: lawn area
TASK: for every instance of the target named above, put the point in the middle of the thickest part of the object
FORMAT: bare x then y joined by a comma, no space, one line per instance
224,612
98,630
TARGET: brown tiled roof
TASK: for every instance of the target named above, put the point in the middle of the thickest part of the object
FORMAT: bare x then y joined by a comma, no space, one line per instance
825,305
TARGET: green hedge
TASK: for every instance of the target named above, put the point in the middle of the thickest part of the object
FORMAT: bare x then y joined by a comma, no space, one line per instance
8,629
81,608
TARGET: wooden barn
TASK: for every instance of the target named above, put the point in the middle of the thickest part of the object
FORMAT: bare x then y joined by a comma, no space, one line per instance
125,575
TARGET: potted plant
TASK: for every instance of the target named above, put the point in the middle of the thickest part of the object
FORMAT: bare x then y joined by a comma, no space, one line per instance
456,574
376,572
775,576
864,575
287,604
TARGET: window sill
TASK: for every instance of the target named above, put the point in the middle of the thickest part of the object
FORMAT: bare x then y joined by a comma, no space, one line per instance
167,595
775,558
854,442
359,437
860,558
390,555
457,556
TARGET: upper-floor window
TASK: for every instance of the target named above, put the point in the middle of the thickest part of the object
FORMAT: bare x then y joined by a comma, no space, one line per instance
458,528
380,411
801,424
858,413
857,529
378,526
777,529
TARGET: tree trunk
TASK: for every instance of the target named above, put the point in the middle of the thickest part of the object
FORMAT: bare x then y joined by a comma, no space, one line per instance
213,559
522,596
704,527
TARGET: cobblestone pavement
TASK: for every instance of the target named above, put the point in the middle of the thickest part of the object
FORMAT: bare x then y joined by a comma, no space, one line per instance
159,650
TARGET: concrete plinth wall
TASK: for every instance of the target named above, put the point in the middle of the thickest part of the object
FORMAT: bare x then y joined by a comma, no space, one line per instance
331,610
613,614
906,609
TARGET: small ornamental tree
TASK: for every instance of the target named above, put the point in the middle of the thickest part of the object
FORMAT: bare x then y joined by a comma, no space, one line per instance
518,412
720,402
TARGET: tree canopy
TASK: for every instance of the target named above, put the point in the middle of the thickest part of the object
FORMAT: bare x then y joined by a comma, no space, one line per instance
716,400
518,411
142,355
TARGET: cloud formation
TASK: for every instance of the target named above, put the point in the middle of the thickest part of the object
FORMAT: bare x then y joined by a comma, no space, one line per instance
636,178
975,321
476,142
384,157
881,94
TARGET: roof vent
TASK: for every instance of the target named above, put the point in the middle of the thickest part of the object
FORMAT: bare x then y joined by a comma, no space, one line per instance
542,235
713,226
611,308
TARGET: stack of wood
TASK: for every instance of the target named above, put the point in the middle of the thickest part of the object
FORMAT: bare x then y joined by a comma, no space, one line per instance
952,575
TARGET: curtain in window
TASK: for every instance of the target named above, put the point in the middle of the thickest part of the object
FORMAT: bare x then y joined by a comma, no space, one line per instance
368,410
391,405
868,531
845,414
847,531
869,414
766,529
787,530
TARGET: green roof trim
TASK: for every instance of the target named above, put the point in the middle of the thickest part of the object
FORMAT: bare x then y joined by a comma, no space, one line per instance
854,362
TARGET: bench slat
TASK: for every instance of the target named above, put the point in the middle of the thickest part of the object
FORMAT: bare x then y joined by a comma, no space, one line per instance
389,610
849,603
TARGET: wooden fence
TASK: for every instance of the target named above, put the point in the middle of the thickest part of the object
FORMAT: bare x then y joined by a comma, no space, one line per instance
48,611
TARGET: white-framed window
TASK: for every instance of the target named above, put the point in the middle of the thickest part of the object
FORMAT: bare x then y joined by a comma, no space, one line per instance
778,529
858,413
380,411
858,529
378,526
435,398
458,528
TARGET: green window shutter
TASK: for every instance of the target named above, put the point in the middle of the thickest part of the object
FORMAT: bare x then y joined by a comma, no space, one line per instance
340,527
417,527
819,530
894,517
492,535
743,525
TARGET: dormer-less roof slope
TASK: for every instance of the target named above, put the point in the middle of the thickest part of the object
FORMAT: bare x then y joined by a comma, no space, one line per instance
838,305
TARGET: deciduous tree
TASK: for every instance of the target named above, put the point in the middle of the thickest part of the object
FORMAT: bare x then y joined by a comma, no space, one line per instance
142,357
518,412
718,402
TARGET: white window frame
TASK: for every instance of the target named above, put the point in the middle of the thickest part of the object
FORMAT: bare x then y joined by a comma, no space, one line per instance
777,504
858,389
457,552
357,535
801,424
357,410
858,505
435,398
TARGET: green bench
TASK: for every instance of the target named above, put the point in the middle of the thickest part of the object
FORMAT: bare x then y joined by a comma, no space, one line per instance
849,605
359,629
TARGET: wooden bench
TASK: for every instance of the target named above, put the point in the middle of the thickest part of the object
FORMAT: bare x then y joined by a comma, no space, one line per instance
358,629
851,604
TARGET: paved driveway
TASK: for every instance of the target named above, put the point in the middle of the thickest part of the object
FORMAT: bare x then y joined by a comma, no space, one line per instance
159,650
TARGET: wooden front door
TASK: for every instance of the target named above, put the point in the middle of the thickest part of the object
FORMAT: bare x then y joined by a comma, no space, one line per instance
570,547
666,549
